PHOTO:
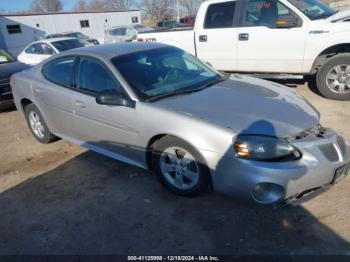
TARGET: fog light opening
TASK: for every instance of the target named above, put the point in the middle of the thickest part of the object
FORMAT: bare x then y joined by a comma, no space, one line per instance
268,193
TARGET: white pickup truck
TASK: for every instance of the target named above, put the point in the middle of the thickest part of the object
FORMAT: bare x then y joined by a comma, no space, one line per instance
285,38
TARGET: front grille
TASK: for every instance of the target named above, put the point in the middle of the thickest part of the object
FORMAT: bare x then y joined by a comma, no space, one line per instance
5,88
329,152
341,144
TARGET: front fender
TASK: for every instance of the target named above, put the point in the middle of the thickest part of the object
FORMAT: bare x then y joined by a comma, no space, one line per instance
319,41
202,135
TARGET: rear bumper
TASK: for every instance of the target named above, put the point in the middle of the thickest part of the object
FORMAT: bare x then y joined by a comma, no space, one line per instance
6,96
6,103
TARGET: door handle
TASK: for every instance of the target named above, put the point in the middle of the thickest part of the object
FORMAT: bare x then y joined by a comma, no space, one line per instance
243,37
203,38
79,104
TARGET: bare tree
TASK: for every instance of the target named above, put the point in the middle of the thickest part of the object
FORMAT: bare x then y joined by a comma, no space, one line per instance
81,5
190,6
102,5
157,10
44,6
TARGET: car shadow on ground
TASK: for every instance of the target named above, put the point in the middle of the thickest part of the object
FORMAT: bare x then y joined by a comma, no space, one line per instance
8,109
96,205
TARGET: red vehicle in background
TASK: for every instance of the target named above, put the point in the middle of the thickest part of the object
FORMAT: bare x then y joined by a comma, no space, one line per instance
190,20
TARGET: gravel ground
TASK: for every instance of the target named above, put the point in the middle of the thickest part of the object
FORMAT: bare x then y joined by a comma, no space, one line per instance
62,199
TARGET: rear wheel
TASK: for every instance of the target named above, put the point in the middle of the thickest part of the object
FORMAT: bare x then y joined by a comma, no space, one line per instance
333,79
37,125
180,167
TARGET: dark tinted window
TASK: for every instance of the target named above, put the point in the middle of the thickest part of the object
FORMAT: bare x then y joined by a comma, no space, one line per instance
220,15
14,29
60,70
267,13
134,19
40,49
34,49
84,23
118,31
94,77
64,45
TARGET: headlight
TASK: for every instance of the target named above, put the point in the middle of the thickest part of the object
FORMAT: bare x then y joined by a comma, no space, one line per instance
264,148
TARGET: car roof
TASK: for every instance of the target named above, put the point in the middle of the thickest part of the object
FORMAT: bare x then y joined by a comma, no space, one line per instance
109,51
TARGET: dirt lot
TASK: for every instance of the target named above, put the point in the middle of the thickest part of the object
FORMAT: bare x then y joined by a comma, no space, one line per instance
62,199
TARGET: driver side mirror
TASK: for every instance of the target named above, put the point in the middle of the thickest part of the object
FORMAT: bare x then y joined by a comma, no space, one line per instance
288,22
113,99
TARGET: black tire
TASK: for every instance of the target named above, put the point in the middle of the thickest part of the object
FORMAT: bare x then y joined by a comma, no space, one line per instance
321,81
204,180
48,137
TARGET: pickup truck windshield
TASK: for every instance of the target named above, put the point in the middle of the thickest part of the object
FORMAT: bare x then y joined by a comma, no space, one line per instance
313,9
164,71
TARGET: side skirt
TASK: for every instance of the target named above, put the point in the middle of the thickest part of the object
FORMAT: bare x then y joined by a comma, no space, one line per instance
103,151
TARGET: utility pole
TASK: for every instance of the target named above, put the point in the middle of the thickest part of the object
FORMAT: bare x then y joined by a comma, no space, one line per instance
178,10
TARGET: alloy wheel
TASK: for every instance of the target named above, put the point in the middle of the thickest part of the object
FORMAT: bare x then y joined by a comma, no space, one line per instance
36,124
179,168
338,79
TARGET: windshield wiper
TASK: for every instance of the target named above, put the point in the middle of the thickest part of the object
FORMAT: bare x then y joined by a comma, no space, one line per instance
180,92
183,92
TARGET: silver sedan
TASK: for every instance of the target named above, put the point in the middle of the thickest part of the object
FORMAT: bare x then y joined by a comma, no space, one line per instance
159,108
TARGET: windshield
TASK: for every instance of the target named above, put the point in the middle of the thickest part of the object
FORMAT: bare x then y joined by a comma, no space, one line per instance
64,45
78,35
5,57
163,71
313,9
141,28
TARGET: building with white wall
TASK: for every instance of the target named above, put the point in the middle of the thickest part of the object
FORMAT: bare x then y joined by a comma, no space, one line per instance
18,30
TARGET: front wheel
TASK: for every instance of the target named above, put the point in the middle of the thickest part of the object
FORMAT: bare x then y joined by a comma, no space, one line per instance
180,167
333,79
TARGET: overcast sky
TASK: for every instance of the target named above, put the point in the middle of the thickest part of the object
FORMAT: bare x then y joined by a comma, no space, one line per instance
22,5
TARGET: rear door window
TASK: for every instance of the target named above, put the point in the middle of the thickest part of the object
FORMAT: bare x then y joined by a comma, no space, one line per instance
220,15
59,71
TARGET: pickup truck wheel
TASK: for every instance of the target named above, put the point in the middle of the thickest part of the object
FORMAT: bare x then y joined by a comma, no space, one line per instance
180,167
333,79
38,126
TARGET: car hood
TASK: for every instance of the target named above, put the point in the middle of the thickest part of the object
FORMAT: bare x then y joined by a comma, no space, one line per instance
249,106
341,15
7,69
